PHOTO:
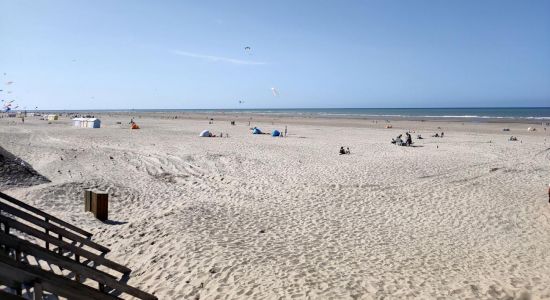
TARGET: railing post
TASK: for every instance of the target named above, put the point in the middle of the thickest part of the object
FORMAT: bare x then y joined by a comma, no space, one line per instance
76,275
38,291
59,250
19,289
48,233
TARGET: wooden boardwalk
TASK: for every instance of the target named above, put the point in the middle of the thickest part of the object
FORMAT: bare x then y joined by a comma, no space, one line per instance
71,257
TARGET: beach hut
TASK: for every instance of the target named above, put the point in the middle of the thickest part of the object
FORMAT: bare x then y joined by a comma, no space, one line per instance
205,133
53,117
77,122
93,123
12,115
87,122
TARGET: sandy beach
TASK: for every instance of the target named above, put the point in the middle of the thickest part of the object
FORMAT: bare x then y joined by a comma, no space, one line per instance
259,217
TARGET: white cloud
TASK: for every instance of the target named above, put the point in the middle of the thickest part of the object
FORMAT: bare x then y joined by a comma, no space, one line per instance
218,58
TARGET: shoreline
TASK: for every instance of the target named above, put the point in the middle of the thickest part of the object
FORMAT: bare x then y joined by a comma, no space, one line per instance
293,116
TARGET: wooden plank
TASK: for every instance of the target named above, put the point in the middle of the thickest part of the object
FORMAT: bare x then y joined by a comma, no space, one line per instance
45,215
51,227
98,260
8,296
62,261
56,284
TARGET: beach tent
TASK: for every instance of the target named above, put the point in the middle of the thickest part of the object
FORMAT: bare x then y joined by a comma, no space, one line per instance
53,117
134,126
256,131
205,133
531,129
275,133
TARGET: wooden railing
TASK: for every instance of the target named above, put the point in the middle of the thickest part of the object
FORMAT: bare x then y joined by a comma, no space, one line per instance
30,223
13,272
50,227
77,251
46,216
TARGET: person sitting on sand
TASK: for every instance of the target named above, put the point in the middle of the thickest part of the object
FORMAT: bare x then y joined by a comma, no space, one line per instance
347,151
435,135
342,151
408,141
419,137
442,133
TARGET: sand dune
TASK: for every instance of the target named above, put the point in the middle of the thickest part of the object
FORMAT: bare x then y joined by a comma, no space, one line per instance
257,217
16,172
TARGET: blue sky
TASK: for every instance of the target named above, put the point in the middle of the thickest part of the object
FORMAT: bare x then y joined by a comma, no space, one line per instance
190,54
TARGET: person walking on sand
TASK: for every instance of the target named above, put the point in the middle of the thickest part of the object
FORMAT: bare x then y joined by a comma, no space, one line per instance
549,193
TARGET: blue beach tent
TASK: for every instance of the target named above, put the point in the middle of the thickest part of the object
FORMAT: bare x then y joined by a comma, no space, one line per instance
275,133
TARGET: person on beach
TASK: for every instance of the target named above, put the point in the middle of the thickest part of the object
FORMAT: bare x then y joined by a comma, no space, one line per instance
347,151
408,141
342,151
442,133
549,193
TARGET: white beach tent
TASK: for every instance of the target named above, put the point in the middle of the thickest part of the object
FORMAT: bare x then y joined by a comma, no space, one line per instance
205,133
